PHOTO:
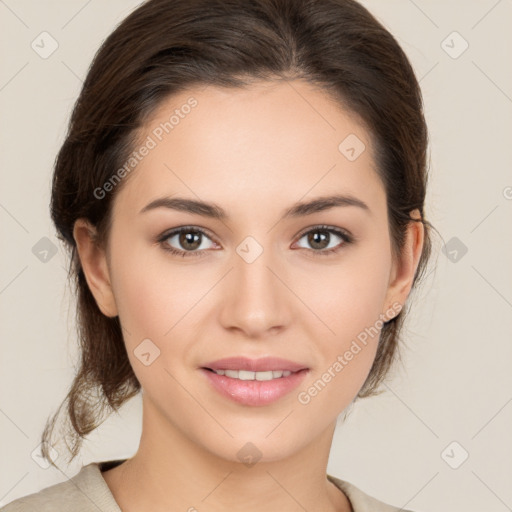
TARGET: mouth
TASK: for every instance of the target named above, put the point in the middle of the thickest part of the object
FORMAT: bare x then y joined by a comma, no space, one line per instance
254,382
248,375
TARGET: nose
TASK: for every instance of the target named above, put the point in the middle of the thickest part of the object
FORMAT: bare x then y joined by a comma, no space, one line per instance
255,300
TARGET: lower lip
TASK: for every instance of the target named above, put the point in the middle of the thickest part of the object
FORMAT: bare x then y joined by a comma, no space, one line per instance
254,392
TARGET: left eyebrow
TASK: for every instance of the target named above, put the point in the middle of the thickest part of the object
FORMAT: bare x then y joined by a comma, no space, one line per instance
324,203
214,211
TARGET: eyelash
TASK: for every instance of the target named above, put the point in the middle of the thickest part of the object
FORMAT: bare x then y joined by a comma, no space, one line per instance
347,239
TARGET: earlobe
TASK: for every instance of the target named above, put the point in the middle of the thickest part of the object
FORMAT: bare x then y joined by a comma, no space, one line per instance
94,264
405,267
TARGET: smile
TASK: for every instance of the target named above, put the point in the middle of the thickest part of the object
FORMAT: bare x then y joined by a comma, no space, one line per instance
248,375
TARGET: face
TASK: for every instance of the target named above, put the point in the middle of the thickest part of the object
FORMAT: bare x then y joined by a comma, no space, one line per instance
264,280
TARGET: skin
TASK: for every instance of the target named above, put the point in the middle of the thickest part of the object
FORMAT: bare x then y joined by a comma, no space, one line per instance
254,152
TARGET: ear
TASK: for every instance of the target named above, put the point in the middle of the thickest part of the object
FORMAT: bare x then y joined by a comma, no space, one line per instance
404,267
94,264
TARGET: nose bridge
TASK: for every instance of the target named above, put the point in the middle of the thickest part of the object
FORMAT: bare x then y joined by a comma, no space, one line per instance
255,302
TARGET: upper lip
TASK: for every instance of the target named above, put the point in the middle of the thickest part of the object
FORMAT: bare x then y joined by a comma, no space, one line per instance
263,364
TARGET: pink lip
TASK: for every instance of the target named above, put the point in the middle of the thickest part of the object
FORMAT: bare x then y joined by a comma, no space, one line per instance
254,392
263,364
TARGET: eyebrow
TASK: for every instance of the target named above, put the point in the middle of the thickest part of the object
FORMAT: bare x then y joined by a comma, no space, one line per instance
214,211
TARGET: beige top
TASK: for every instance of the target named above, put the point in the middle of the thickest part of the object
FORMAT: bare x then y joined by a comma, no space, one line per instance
87,491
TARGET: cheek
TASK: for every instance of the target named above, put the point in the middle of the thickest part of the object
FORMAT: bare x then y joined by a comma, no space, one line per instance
346,357
153,304
349,297
156,297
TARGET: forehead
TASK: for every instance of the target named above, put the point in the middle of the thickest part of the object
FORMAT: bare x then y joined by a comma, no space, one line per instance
281,141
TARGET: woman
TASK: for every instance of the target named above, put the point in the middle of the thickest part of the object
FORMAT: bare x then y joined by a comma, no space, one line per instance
242,192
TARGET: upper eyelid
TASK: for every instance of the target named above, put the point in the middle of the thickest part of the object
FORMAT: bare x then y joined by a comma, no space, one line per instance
175,231
325,227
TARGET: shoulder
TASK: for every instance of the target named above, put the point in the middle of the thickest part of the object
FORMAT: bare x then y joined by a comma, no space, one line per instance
360,501
87,491
61,495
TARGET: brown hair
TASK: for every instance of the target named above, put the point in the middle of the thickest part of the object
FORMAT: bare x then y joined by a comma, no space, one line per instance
167,46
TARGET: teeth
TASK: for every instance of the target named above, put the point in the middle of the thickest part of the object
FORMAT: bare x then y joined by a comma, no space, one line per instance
247,375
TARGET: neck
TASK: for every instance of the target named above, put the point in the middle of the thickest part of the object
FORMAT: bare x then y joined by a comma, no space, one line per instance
177,474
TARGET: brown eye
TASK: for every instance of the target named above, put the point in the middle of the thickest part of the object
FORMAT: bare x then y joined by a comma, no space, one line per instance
324,240
186,241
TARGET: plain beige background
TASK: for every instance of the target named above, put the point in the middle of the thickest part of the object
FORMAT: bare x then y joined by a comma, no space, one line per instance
452,397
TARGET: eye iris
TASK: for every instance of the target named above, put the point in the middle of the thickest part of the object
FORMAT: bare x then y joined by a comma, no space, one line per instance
190,237
318,241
